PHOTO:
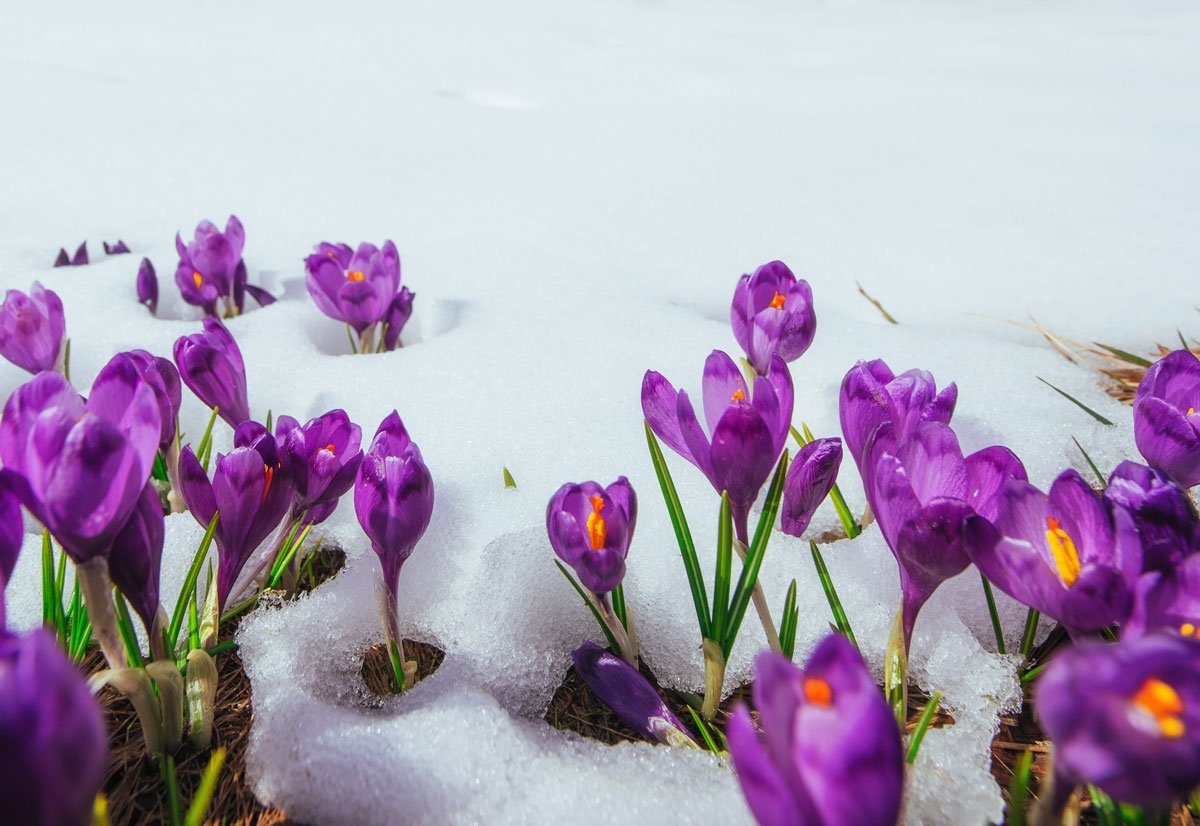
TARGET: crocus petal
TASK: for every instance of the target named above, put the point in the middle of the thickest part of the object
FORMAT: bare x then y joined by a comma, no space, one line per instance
628,694
742,454
809,480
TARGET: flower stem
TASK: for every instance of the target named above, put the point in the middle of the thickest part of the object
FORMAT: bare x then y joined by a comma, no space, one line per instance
741,526
895,671
97,594
624,642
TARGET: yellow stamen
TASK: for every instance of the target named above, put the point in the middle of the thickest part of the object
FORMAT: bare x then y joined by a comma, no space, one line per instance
329,448
1187,629
597,531
818,692
739,395
1066,557
355,275
197,278
1162,702
1191,411
777,301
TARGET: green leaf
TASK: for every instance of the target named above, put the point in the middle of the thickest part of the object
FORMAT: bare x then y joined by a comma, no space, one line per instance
997,629
720,600
1018,790
683,535
618,605
125,629
270,422
204,792
612,641
705,734
167,767
187,592
193,623
1030,632
509,481
353,343
790,622
918,735
1125,356
49,591
397,665
754,559
1076,402
79,626
222,647
204,450
1032,674
1182,341
287,555
159,471
831,595
1099,476
60,582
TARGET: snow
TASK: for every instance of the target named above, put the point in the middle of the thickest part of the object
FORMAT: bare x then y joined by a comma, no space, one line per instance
574,189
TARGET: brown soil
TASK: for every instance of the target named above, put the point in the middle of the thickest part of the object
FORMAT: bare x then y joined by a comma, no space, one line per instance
377,665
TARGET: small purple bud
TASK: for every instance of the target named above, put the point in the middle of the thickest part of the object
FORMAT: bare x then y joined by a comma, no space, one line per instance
211,365
32,328
590,529
118,248
62,259
136,556
811,476
397,316
629,695
80,258
147,285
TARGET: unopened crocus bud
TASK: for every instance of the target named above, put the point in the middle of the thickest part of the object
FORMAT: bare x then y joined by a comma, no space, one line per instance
871,395
629,695
118,248
147,286
397,316
325,454
830,751
772,315
52,740
810,477
590,529
135,560
32,328
80,258
1166,426
211,365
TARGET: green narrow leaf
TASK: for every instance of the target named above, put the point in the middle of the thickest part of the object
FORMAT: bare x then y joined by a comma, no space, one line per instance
206,438
1124,355
1091,464
1018,790
77,620
397,665
509,481
720,600
849,523
159,471
918,735
286,556
222,647
270,422
1182,341
193,623
204,792
1076,402
49,618
60,582
187,592
831,595
167,767
618,605
67,360
82,638
683,535
791,620
754,559
353,343
1030,632
705,734
1105,808
612,641
125,629
1032,674
997,629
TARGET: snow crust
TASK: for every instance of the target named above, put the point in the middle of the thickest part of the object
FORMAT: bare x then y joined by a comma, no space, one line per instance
574,190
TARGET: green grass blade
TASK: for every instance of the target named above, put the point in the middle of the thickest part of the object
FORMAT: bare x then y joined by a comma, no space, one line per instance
77,619
1124,355
187,592
997,629
1076,402
721,584
287,555
353,343
1030,632
1182,341
1018,790
918,735
754,559
849,523
509,481
193,623
159,471
60,582
612,641
167,766
1032,674
790,622
125,629
270,422
1099,476
705,734
831,595
687,548
204,792
49,591
81,637
618,605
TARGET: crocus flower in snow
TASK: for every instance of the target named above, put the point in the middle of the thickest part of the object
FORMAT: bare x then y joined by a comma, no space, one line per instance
32,328
629,695
80,258
118,248
772,314
211,365
830,751
325,454
147,286
810,477
1162,511
209,264
397,316
871,395
1166,426
356,287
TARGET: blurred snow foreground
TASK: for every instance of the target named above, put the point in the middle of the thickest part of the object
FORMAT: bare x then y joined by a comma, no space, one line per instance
574,189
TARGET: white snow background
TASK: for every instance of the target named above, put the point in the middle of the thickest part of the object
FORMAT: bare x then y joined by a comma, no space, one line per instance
574,188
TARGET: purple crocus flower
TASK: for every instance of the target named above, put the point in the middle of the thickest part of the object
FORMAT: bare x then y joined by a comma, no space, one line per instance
772,314
147,286
397,316
748,430
12,535
629,695
1072,555
135,560
1162,511
118,248
211,365
830,752
80,468
52,740
355,288
1125,718
32,328
922,492
590,528
1166,426
1167,600
251,487
209,265
162,377
324,454
871,395
810,477
80,259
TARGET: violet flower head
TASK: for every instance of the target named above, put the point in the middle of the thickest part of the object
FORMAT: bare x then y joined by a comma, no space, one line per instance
1166,426
830,751
12,534
399,311
118,248
357,288
1125,718
80,468
590,528
393,497
1072,555
80,259
324,454
629,695
147,286
871,395
211,365
772,315
251,487
810,477
52,739
747,427
135,560
1167,600
209,264
1162,511
162,378
32,328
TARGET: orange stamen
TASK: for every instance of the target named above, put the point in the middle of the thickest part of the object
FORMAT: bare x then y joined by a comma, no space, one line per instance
269,475
597,530
1066,556
197,278
1162,702
777,301
355,275
818,692
329,448
739,395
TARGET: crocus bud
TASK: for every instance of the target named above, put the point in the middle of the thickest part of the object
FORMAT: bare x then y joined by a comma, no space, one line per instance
162,378
135,560
355,288
1125,718
1166,426
118,248
871,395
208,264
147,286
397,316
52,741
31,328
830,752
325,454
590,529
1162,511
772,315
810,477
629,695
211,365
80,474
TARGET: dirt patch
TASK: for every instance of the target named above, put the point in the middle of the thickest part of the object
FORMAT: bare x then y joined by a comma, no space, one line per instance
377,665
